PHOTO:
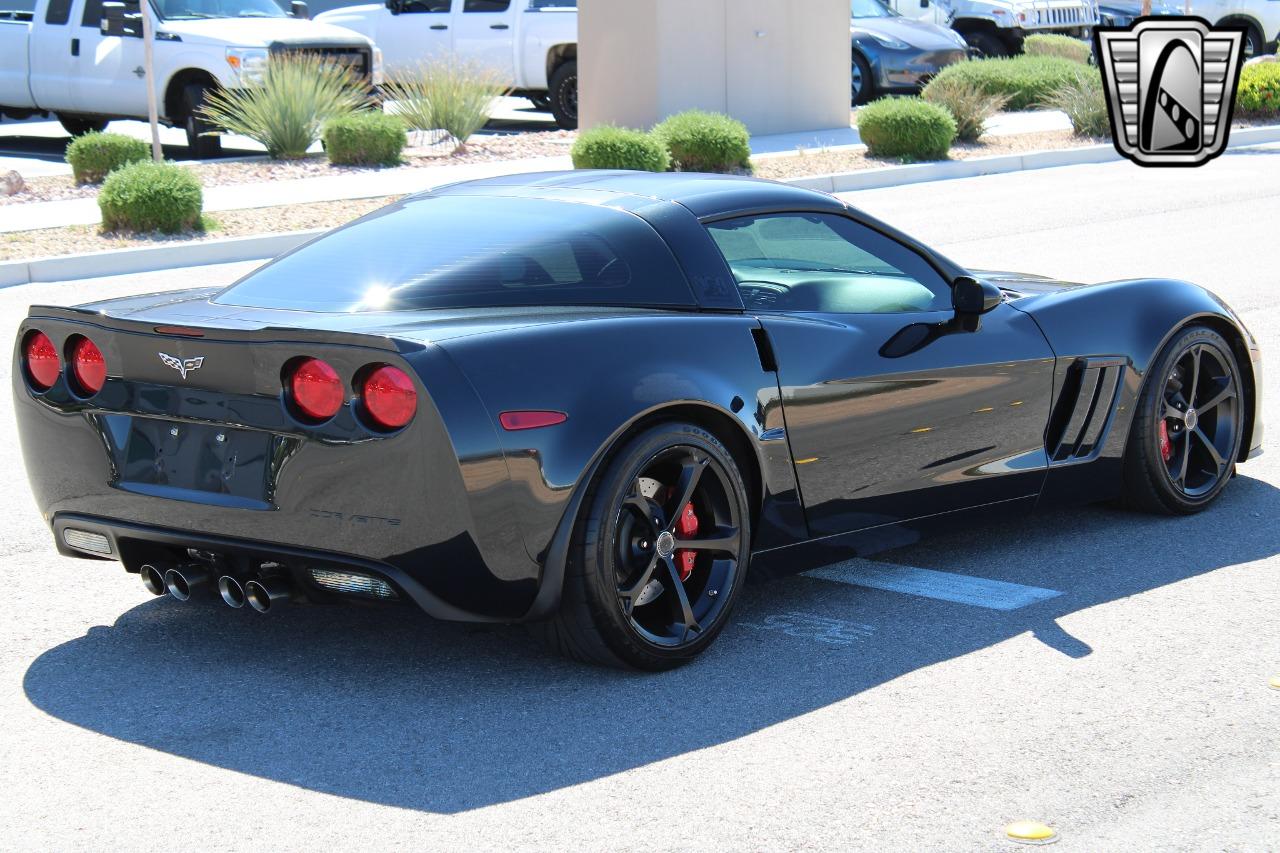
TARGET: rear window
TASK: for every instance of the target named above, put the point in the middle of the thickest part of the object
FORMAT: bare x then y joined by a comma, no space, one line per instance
468,251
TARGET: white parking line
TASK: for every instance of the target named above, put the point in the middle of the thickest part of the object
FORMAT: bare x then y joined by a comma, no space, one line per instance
946,586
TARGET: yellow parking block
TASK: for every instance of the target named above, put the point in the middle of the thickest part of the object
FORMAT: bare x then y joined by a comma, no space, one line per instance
1030,832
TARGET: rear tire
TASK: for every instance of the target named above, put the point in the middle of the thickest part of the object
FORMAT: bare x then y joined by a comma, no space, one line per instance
629,599
563,95
1186,431
987,45
201,145
77,126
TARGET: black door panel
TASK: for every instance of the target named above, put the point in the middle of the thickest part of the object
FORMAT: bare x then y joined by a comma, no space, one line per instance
957,421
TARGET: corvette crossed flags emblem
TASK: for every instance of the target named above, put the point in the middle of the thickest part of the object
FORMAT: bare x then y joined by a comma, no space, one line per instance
183,366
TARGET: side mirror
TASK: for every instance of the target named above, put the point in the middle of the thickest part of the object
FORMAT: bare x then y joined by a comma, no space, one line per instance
299,10
121,19
971,296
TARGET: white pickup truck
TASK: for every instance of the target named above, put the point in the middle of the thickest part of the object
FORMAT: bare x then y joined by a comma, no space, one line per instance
997,27
82,63
532,44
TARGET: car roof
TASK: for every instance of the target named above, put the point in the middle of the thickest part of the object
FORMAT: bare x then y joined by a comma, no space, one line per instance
704,195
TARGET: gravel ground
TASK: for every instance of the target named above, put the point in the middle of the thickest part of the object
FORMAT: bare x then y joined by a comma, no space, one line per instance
824,162
420,156
76,239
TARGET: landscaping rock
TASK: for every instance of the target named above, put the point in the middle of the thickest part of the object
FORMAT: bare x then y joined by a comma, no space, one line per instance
11,183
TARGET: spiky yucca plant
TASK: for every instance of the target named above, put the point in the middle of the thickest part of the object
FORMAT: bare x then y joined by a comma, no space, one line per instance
287,111
446,94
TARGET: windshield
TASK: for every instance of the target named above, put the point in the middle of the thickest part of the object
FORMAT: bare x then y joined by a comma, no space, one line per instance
187,10
870,9
472,252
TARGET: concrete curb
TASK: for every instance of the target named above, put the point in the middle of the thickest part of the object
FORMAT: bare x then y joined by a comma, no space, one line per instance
151,259
948,169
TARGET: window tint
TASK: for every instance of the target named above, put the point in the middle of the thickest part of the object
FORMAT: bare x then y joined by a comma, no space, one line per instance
469,251
826,263
59,12
17,10
486,5
424,5
92,16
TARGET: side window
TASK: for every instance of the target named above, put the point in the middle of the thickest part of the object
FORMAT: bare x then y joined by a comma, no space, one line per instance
59,12
436,6
486,5
92,16
826,263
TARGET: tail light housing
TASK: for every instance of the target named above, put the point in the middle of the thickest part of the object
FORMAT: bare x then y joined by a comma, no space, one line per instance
40,357
88,366
387,396
315,389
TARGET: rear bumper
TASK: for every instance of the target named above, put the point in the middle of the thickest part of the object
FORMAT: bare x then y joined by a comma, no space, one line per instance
134,544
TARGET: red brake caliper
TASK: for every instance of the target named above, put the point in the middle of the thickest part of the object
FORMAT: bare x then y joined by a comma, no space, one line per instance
686,528
1166,451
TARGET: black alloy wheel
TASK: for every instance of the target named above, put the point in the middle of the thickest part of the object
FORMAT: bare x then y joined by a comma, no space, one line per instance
563,95
1187,434
80,125
660,555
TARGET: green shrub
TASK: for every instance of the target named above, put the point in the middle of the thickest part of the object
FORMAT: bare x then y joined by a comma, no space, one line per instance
1085,103
1259,90
619,148
446,94
94,155
969,105
1028,81
1052,44
151,197
706,142
365,138
297,96
910,128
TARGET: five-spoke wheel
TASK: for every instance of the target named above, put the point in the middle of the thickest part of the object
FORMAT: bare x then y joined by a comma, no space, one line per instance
1186,433
659,554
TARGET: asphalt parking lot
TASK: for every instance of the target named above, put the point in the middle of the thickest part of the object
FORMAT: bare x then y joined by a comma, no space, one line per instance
1130,711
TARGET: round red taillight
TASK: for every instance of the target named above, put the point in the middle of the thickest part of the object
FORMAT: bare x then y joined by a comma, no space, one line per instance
43,365
388,397
88,366
316,389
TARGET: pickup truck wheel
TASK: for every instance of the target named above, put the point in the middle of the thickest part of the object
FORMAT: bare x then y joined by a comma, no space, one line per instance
202,146
80,126
563,94
986,45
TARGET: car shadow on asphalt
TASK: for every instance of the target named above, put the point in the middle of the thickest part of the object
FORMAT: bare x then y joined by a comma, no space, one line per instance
389,707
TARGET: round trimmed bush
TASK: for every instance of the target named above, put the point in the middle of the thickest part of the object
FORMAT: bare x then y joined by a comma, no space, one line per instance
706,142
1055,44
1027,81
151,197
619,148
1259,91
906,127
95,155
365,138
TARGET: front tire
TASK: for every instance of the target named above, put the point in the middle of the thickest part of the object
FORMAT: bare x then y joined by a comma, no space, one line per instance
562,92
77,126
861,86
200,141
1186,432
658,555
987,45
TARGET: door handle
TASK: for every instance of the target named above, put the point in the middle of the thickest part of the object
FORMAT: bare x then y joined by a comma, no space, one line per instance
75,47
439,26
499,27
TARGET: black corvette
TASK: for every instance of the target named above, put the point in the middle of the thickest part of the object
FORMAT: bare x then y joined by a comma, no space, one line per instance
589,400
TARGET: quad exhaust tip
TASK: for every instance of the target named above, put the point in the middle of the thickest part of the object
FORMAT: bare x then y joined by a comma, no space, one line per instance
152,579
232,591
181,581
262,594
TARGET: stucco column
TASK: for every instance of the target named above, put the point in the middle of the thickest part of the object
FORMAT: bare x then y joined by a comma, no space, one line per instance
776,65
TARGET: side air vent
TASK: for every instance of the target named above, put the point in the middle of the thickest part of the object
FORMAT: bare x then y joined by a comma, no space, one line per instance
1083,412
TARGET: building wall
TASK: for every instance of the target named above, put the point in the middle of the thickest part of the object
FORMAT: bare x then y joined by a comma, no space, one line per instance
776,65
